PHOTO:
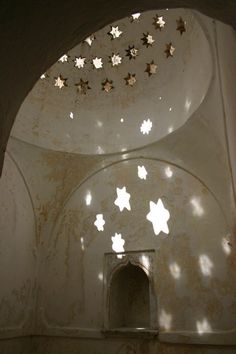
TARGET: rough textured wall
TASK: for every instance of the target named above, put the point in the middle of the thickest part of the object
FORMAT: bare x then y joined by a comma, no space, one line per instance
127,346
17,346
17,253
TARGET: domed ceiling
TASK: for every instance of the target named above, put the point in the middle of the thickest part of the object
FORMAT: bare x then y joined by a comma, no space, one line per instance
128,85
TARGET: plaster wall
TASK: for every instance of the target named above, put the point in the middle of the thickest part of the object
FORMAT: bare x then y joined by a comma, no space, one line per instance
17,254
70,272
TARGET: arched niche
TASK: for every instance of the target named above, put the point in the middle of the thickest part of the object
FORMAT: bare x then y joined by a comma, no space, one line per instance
130,302
129,305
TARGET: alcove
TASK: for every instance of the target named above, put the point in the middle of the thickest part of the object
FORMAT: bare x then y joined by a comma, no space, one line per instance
129,305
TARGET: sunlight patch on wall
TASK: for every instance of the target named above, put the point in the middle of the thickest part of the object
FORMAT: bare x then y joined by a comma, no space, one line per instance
118,244
168,172
146,126
175,270
165,320
196,206
82,243
142,172
100,276
122,200
145,261
158,216
99,222
226,245
206,265
203,327
88,198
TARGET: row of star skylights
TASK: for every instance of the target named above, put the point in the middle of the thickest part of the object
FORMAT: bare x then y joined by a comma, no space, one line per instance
115,32
107,85
116,59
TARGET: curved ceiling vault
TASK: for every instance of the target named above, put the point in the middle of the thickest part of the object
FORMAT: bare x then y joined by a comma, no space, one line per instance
125,86
53,39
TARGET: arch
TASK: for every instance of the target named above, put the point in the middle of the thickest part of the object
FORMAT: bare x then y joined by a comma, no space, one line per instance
129,298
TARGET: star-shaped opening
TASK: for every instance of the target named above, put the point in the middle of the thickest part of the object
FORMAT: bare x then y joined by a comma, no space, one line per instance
159,22
181,26
99,222
151,68
43,76
115,32
135,17
89,40
132,52
60,82
158,216
64,58
148,39
107,85
79,62
122,200
115,59
97,63
146,126
82,87
169,50
130,79
142,172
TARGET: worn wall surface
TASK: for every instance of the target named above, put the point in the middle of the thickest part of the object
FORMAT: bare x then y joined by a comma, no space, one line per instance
189,169
17,254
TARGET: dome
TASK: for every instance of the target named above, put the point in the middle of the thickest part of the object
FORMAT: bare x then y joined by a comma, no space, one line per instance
128,85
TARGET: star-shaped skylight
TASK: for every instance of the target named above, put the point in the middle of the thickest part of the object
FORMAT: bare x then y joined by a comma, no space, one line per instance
60,82
158,216
64,58
97,63
99,222
142,172
130,79
148,39
115,32
118,243
132,52
122,200
83,87
79,62
107,85
181,26
159,22
89,40
146,126
169,50
71,115
135,17
115,59
151,68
